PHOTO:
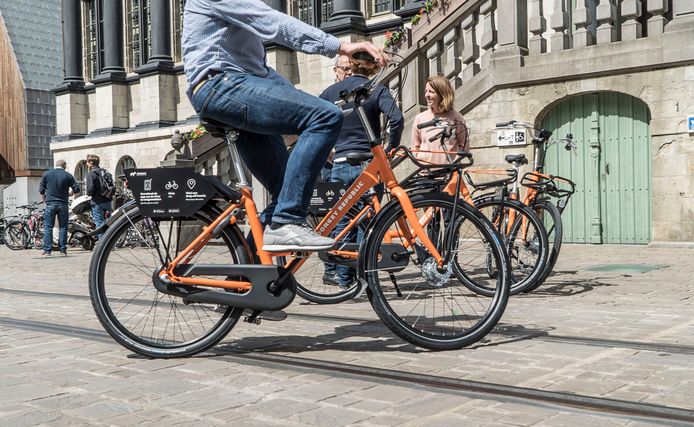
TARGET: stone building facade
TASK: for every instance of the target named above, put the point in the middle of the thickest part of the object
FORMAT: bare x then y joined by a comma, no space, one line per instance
618,75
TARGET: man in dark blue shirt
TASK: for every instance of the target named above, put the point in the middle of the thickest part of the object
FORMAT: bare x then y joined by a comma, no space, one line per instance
353,139
55,189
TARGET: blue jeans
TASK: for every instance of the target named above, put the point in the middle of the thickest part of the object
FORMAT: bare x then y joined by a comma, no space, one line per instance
263,109
53,210
346,174
99,213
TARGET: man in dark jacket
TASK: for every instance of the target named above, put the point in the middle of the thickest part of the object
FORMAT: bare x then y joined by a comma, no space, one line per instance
353,139
101,204
55,189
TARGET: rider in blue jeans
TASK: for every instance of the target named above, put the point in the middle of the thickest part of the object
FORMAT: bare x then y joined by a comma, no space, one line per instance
55,189
229,82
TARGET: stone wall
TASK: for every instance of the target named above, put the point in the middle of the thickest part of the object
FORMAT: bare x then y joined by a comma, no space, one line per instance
668,93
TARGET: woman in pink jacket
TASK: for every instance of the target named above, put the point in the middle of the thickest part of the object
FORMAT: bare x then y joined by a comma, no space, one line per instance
439,96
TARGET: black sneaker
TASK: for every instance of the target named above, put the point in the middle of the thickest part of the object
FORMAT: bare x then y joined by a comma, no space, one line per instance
295,237
45,253
331,279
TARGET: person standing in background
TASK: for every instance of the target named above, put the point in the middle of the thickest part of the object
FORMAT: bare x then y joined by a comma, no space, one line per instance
54,189
101,203
440,97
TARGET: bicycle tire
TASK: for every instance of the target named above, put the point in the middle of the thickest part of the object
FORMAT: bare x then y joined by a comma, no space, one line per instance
16,236
549,214
37,234
122,315
395,299
528,256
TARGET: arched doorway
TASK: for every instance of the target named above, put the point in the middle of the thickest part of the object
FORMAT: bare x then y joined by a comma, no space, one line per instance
125,162
612,167
81,171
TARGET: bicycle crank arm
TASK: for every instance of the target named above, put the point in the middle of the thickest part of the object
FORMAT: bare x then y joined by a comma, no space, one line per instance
264,279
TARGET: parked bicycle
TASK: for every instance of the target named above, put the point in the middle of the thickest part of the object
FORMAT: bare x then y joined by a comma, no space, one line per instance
163,300
541,188
27,230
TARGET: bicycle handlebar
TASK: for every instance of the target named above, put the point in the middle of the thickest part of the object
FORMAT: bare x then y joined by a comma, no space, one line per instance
434,122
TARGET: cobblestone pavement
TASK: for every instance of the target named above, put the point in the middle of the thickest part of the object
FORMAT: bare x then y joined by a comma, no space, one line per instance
610,338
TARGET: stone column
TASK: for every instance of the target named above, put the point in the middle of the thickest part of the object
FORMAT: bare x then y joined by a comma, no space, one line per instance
72,44
158,86
112,93
513,33
537,25
451,54
656,23
70,97
434,59
631,11
471,49
682,15
346,17
605,18
559,20
582,17
112,40
488,32
160,59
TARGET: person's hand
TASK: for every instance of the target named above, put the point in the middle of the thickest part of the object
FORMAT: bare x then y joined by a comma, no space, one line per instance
349,49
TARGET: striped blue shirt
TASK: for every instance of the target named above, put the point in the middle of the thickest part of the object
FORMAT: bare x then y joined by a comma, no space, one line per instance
229,34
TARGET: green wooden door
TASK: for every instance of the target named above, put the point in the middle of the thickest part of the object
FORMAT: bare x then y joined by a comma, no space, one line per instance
611,167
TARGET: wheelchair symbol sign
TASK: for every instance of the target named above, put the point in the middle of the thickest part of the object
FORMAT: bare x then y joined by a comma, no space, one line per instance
690,124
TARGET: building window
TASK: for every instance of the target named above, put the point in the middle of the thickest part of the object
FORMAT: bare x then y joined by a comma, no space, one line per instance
380,6
177,11
313,12
138,32
92,46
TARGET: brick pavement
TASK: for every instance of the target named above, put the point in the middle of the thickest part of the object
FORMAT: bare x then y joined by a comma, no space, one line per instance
613,335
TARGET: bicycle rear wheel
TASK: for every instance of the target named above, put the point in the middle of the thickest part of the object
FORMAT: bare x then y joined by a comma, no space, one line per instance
422,304
551,218
133,311
525,241
16,236
317,279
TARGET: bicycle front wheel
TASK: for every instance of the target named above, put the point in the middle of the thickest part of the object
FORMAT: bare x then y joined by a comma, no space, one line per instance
420,302
16,236
133,311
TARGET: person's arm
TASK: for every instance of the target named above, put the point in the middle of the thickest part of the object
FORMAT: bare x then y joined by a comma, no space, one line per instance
416,137
42,188
75,186
271,25
90,183
387,105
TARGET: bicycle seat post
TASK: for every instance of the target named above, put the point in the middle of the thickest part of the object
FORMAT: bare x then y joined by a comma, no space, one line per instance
230,138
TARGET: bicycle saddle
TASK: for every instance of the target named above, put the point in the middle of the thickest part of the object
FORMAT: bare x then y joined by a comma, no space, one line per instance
513,158
215,128
355,159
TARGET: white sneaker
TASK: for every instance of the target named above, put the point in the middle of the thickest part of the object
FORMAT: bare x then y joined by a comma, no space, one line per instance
295,237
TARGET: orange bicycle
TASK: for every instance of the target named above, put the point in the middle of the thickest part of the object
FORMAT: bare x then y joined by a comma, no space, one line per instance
522,231
182,292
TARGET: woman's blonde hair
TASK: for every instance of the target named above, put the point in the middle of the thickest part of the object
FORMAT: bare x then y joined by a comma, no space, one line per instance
443,88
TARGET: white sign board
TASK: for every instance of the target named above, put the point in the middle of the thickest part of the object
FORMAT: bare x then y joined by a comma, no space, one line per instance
510,137
690,124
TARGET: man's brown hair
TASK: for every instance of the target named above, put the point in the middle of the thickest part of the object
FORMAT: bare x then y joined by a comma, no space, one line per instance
93,158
